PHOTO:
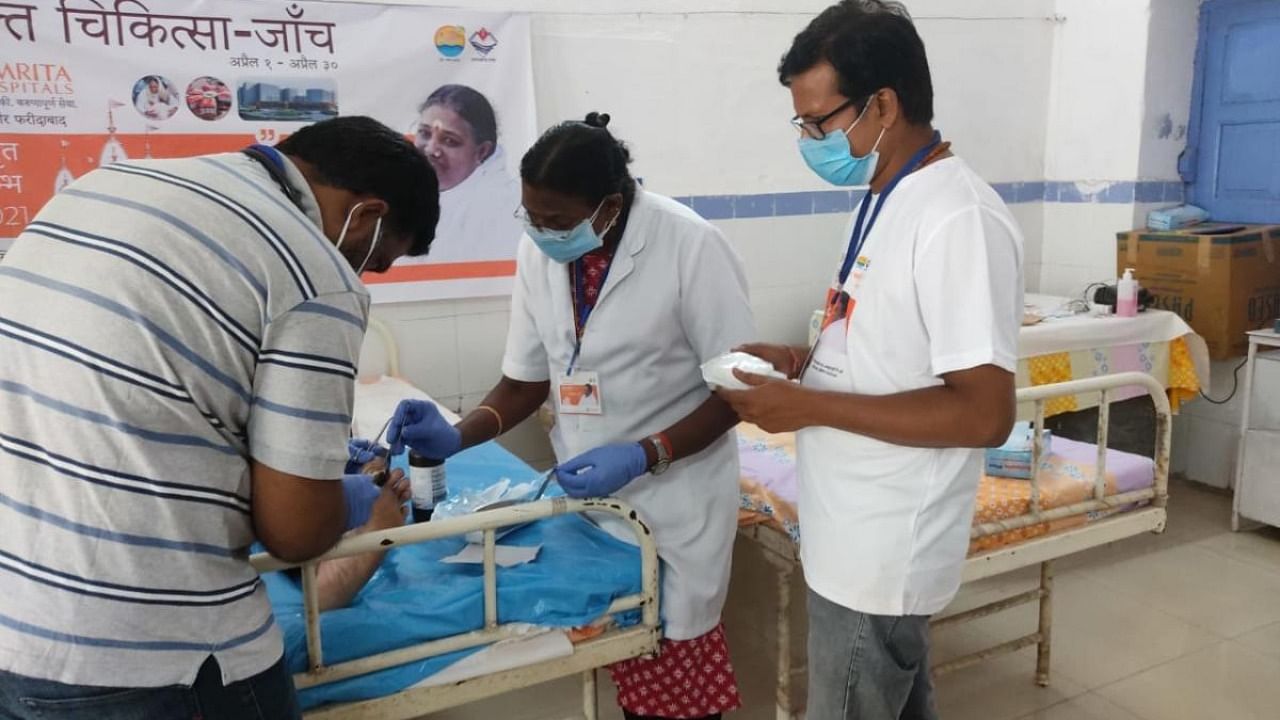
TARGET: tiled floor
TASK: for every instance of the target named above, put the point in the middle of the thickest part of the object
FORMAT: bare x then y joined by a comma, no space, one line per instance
1182,626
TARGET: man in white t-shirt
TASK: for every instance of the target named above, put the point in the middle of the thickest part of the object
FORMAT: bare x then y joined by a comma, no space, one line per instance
913,370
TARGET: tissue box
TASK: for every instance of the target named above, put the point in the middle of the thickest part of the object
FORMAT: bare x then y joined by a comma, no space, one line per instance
1013,459
1176,218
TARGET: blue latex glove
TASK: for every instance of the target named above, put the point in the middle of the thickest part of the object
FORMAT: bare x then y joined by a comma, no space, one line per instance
359,492
603,471
360,452
419,425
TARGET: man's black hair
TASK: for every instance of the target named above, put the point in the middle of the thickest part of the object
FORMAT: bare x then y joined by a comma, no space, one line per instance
872,44
363,156
581,159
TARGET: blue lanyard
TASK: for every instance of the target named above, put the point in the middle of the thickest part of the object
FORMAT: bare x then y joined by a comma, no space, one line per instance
582,311
859,236
273,162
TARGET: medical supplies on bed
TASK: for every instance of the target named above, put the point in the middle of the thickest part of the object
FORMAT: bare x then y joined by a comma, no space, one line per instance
718,371
1013,458
465,501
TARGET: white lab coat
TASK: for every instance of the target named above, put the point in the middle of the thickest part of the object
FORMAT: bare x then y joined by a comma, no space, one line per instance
675,297
477,216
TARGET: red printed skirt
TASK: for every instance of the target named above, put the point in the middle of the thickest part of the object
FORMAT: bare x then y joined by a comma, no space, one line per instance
688,679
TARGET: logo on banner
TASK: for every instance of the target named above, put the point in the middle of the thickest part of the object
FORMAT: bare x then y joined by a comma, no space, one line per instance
484,41
451,40
35,79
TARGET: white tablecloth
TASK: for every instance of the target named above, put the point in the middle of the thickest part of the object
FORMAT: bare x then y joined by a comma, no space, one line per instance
1087,332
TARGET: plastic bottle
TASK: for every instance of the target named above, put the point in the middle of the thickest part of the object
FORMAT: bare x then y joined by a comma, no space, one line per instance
427,481
1127,295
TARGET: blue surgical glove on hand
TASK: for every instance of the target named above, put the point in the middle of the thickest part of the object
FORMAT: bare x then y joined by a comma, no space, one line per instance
603,471
361,452
359,492
419,425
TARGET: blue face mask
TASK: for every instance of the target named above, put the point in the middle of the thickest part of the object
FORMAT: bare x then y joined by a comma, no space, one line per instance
832,160
565,246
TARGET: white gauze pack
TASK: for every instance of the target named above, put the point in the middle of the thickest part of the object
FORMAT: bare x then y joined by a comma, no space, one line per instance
718,371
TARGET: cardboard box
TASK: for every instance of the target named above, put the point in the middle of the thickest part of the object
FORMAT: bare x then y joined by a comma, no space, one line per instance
1224,284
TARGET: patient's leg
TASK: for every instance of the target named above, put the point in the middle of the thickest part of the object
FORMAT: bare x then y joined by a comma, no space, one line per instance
339,581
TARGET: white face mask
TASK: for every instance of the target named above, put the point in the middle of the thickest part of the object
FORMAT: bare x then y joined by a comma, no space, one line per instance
377,235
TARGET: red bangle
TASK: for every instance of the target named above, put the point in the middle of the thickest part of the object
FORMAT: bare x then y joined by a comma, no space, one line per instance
666,443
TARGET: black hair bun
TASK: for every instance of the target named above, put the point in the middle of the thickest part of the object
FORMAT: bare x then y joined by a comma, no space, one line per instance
596,119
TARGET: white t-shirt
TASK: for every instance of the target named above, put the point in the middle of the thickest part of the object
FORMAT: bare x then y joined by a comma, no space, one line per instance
937,288
675,297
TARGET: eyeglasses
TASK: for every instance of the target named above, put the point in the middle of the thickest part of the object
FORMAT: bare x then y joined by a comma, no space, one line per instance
813,128
522,214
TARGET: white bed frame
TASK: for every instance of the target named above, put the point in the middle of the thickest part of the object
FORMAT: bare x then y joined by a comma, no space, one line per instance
614,645
783,554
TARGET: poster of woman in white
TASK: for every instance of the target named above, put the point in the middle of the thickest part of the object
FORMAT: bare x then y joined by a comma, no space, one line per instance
459,134
470,111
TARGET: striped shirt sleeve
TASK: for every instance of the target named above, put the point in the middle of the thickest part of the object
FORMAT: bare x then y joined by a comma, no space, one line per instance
303,387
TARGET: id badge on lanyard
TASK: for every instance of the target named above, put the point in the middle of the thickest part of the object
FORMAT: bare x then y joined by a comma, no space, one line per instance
578,391
579,394
841,297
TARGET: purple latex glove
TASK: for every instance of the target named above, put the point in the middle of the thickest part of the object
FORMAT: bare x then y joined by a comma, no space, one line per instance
603,471
419,425
360,452
359,492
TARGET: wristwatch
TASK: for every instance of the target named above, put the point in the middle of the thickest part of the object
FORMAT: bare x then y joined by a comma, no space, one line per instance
663,450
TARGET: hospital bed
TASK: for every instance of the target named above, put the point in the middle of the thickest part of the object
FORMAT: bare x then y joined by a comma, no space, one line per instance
425,634
1081,496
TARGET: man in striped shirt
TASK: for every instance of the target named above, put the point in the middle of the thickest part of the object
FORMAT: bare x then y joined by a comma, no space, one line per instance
178,341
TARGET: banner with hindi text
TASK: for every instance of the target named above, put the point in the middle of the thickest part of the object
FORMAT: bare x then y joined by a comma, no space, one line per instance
85,83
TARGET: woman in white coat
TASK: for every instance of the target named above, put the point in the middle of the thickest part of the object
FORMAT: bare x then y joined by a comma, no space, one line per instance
458,133
620,295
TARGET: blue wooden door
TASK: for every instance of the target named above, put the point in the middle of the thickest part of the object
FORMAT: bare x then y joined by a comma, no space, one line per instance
1233,158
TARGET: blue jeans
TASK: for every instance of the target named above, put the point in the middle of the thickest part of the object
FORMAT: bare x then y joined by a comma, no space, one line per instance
867,667
266,696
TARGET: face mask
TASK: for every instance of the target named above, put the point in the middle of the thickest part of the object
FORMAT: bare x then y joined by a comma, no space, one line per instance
377,235
565,246
832,160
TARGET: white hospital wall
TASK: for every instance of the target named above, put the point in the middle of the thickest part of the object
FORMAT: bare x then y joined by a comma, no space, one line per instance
693,88
1118,110
1093,138
1171,48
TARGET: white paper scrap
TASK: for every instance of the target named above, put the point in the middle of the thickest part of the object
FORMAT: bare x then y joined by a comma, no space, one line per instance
504,555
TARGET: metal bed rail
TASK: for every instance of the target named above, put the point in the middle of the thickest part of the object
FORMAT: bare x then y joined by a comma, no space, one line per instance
1157,496
642,639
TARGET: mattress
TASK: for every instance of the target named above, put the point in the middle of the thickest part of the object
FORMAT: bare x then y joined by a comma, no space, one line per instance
769,491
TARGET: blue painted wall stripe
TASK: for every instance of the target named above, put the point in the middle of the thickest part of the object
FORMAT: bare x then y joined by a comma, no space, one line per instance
822,202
